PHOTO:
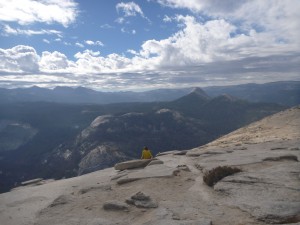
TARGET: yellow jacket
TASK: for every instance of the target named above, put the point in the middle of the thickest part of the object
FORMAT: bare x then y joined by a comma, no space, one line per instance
146,154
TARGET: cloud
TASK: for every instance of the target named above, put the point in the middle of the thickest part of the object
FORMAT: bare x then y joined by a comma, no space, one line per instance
7,30
129,9
120,20
79,45
106,26
275,17
96,43
20,59
89,61
167,19
54,62
30,11
46,41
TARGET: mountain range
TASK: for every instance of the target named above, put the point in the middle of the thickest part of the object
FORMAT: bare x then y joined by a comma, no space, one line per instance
65,140
283,92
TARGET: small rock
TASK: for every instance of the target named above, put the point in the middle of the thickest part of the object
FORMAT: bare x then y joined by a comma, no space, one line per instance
115,205
142,200
140,196
184,167
175,216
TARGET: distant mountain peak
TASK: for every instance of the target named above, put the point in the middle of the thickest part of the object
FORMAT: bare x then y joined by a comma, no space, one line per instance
200,93
196,96
227,98
198,90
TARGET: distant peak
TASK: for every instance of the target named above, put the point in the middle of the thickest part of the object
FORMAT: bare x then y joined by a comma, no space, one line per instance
197,89
227,97
199,92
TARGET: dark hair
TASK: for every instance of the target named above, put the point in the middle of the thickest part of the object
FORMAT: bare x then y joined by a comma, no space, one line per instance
146,148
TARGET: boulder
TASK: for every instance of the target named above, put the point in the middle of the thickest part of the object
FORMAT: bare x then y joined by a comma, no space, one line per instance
142,200
132,164
115,205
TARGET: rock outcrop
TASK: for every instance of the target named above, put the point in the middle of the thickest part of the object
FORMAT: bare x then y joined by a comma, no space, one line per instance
266,191
138,163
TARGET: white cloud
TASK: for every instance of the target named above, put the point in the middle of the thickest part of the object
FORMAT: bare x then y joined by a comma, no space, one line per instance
167,19
120,20
20,58
89,61
278,18
55,61
106,26
79,45
7,30
203,5
129,9
96,43
46,41
31,11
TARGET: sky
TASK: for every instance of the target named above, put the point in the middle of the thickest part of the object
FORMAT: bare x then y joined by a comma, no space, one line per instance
112,45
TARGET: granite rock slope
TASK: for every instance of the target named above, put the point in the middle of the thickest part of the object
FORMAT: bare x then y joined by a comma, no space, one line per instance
266,191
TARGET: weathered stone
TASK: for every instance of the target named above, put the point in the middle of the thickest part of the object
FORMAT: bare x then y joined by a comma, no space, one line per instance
282,157
132,164
120,174
183,152
184,168
175,152
34,181
155,162
140,196
142,200
269,194
115,205
149,172
146,204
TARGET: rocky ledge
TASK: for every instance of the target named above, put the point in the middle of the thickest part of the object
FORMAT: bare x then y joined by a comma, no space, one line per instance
264,187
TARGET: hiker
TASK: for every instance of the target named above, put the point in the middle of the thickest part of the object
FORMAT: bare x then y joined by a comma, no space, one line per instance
146,154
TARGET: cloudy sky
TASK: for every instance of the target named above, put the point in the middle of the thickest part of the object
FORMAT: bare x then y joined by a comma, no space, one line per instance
147,44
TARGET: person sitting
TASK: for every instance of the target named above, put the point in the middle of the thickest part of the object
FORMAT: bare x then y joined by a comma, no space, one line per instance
146,154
